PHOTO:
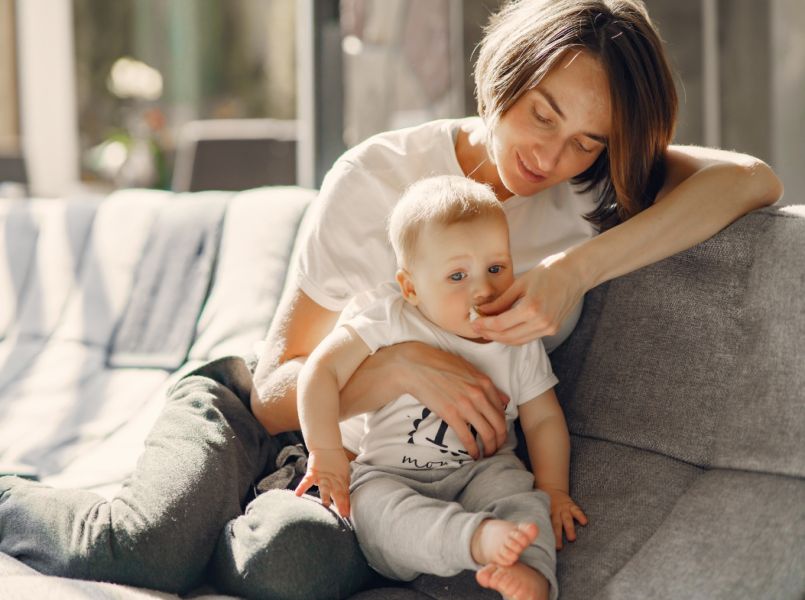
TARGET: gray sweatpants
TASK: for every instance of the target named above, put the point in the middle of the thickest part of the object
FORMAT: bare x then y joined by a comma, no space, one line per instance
411,522
182,517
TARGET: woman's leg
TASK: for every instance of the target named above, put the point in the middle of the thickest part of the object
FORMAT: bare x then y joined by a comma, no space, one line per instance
199,463
290,548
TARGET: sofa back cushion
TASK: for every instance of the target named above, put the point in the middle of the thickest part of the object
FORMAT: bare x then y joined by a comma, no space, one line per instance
171,283
17,241
63,228
259,232
700,356
117,241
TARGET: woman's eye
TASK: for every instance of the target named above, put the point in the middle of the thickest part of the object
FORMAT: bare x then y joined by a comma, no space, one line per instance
495,268
541,119
581,147
457,276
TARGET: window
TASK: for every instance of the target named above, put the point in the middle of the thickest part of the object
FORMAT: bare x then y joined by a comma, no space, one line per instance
9,113
146,67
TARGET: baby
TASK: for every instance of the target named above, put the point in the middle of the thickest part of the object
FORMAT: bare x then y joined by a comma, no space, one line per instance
418,501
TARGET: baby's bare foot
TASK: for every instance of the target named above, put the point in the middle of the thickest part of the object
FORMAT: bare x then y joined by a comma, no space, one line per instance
515,582
501,542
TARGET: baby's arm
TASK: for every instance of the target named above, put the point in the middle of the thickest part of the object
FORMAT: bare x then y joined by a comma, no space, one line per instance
548,444
325,373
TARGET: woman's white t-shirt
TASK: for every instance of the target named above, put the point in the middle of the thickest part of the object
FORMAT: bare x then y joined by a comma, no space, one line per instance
347,252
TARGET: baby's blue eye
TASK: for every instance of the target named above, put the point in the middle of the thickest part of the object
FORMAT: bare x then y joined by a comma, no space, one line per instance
457,276
495,268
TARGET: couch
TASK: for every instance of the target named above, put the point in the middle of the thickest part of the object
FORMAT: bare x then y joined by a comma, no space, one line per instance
683,384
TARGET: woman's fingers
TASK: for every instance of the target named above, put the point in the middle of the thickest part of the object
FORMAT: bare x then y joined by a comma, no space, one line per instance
504,301
516,315
485,412
466,399
458,423
516,326
534,306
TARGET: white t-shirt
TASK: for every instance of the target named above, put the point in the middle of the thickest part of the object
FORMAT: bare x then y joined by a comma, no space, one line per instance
404,433
347,250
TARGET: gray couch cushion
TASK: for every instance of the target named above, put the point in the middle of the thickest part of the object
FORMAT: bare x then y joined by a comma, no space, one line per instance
461,586
731,535
763,428
626,493
696,357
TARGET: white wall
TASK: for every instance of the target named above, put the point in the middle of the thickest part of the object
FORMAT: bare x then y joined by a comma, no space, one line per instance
788,96
49,119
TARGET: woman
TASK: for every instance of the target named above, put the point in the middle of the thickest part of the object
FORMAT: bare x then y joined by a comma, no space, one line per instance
568,91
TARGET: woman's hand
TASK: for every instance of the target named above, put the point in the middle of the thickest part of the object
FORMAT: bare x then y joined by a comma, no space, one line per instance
564,513
329,470
448,385
535,305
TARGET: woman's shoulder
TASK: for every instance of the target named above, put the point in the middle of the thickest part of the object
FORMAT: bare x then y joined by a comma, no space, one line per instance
408,148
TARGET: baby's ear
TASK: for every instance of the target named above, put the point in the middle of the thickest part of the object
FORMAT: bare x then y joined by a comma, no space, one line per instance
407,287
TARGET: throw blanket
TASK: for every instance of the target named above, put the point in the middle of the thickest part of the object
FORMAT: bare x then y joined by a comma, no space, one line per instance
171,284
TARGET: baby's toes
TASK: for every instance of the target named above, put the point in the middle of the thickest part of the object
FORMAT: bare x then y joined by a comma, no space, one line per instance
522,537
484,575
509,554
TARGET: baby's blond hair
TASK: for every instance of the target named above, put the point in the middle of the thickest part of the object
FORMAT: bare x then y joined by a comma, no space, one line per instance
441,200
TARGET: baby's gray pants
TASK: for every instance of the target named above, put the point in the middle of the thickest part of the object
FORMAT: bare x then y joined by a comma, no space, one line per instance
410,522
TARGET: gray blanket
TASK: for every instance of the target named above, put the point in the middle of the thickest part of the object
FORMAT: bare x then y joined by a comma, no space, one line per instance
171,284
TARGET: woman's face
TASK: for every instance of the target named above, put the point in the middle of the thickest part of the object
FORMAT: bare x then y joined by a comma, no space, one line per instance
556,130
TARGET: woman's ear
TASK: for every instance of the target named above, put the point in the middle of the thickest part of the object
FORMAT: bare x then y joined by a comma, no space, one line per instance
407,287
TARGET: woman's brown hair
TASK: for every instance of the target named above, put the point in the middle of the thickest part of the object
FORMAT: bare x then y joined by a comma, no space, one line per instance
527,38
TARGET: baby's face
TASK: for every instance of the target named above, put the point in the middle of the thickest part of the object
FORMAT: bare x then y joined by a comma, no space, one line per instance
458,267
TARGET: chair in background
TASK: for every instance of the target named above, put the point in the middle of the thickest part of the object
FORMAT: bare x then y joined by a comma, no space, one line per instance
13,176
235,154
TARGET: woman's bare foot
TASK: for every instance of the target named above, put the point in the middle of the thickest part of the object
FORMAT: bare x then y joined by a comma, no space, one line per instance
501,542
515,582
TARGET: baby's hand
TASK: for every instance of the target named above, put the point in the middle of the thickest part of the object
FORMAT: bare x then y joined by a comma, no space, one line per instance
329,470
563,514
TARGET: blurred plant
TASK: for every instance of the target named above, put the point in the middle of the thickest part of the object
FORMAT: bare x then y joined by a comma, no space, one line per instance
130,78
131,157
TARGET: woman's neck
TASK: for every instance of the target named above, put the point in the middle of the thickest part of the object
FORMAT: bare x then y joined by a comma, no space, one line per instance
474,158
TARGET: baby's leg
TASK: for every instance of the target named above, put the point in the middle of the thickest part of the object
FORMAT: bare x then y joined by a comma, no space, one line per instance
502,486
501,542
403,533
